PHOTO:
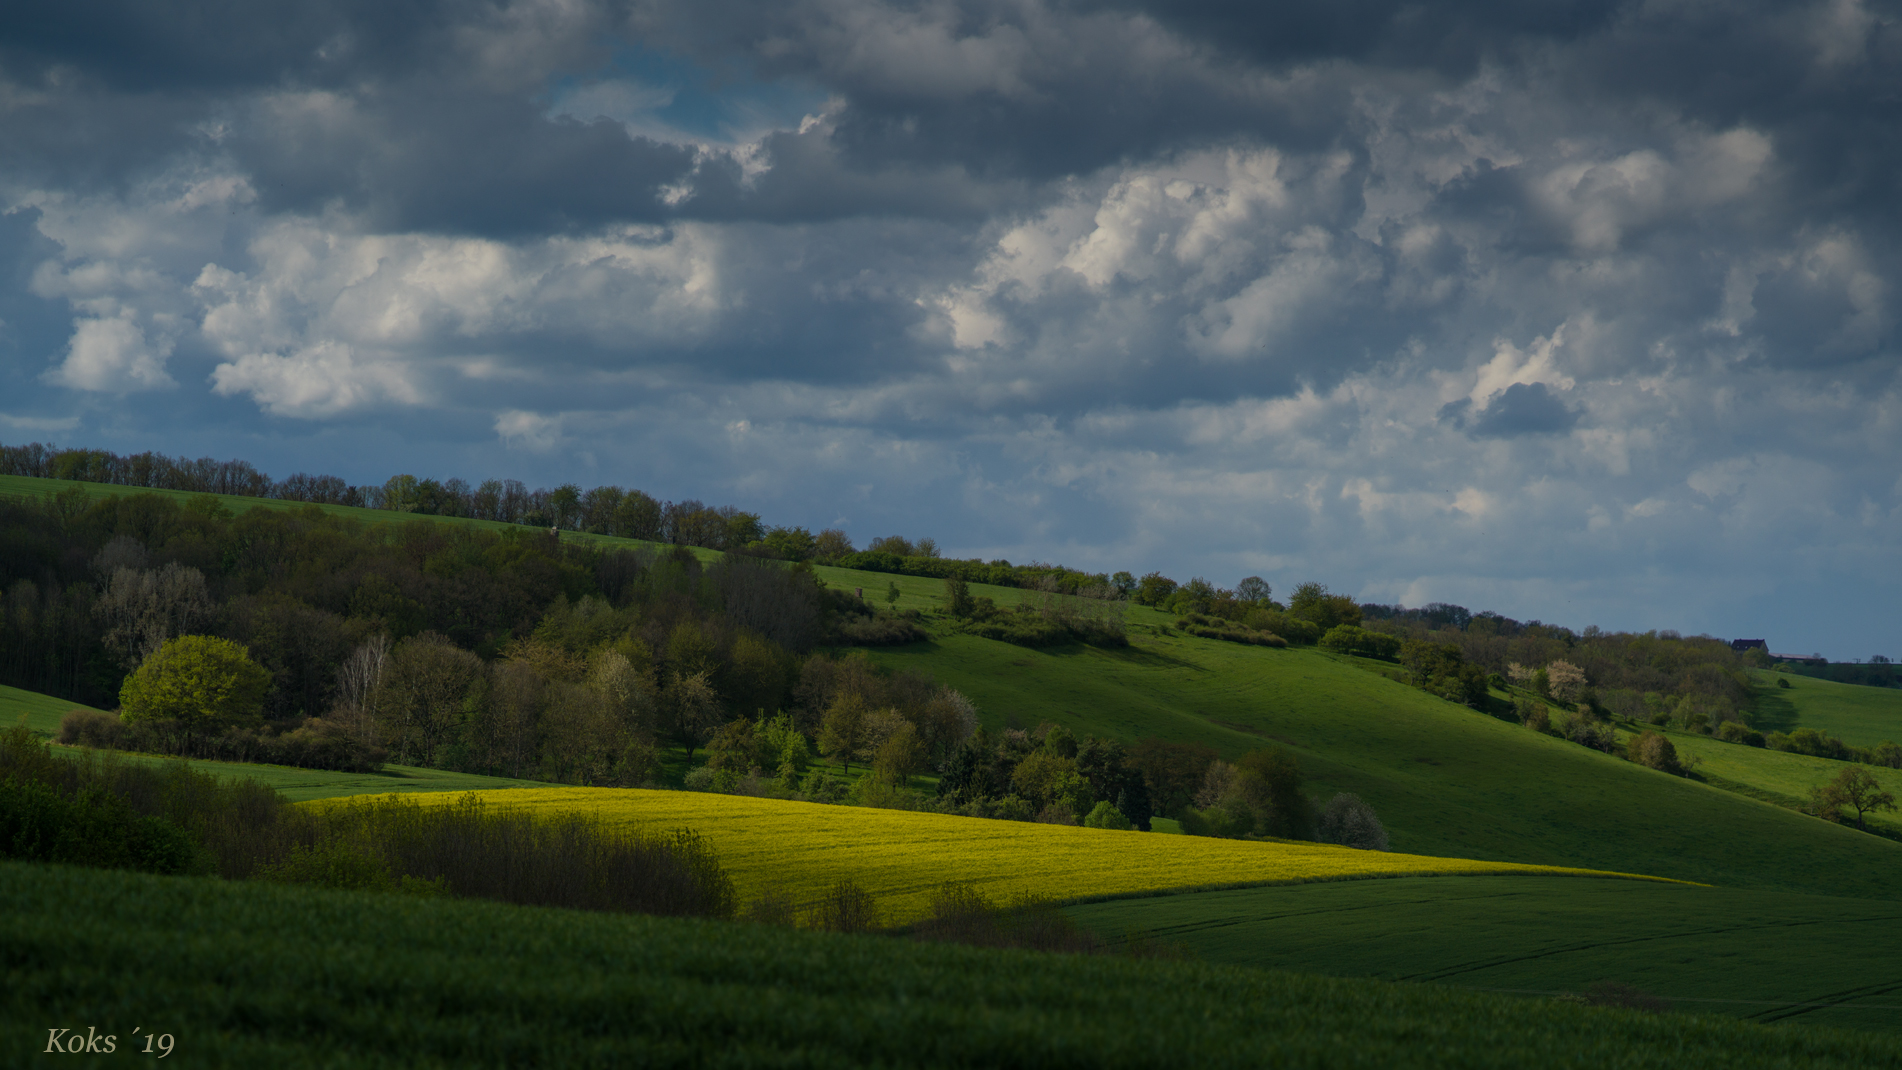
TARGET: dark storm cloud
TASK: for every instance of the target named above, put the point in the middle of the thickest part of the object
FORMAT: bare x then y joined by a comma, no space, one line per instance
464,163
222,45
1523,409
1448,37
1147,285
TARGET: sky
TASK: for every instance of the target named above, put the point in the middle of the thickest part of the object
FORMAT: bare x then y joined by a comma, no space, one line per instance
1577,311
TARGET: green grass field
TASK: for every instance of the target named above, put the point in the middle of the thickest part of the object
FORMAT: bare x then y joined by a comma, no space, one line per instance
247,975
41,713
1445,779
1860,716
1767,956
1775,775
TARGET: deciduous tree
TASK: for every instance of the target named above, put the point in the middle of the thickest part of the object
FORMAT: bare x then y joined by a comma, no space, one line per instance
192,685
1855,788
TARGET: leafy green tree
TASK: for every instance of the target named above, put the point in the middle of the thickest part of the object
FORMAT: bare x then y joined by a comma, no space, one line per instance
1654,751
899,757
1314,603
735,748
1153,589
957,596
192,685
1270,780
842,729
399,493
1192,597
1106,816
1855,788
1124,582
891,593
1350,822
790,544
692,710
742,529
421,693
564,506
831,543
1254,590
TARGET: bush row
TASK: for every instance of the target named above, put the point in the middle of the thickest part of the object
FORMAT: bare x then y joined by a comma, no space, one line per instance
104,812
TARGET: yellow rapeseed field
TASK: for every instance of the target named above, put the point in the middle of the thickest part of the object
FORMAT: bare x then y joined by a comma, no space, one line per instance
802,849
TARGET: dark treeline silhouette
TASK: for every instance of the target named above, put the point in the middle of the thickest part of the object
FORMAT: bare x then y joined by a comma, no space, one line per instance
605,510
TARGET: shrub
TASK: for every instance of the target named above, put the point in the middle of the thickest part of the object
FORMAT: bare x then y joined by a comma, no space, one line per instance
574,861
1353,639
881,629
316,744
1737,732
847,908
1207,627
1350,822
1653,751
773,907
239,824
822,787
94,828
963,916
1531,713
1811,742
1588,733
92,728
1106,816
338,864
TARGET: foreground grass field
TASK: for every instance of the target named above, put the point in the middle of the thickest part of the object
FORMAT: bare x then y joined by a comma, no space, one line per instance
1861,716
801,849
1768,956
249,975
1445,779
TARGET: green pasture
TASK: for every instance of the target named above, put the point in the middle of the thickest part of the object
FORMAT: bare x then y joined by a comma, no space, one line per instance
1775,776
1747,953
1861,716
41,713
1445,779
248,974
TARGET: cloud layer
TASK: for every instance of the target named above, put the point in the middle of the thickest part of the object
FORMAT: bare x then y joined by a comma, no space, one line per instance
1584,311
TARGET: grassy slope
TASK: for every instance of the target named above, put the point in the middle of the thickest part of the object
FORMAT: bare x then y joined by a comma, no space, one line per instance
40,712
256,975
800,850
1746,953
1861,716
1775,775
1446,780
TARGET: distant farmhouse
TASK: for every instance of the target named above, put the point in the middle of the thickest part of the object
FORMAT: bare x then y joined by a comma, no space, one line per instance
1744,646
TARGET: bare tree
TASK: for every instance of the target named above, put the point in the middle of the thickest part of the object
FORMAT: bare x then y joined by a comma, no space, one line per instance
142,608
357,680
